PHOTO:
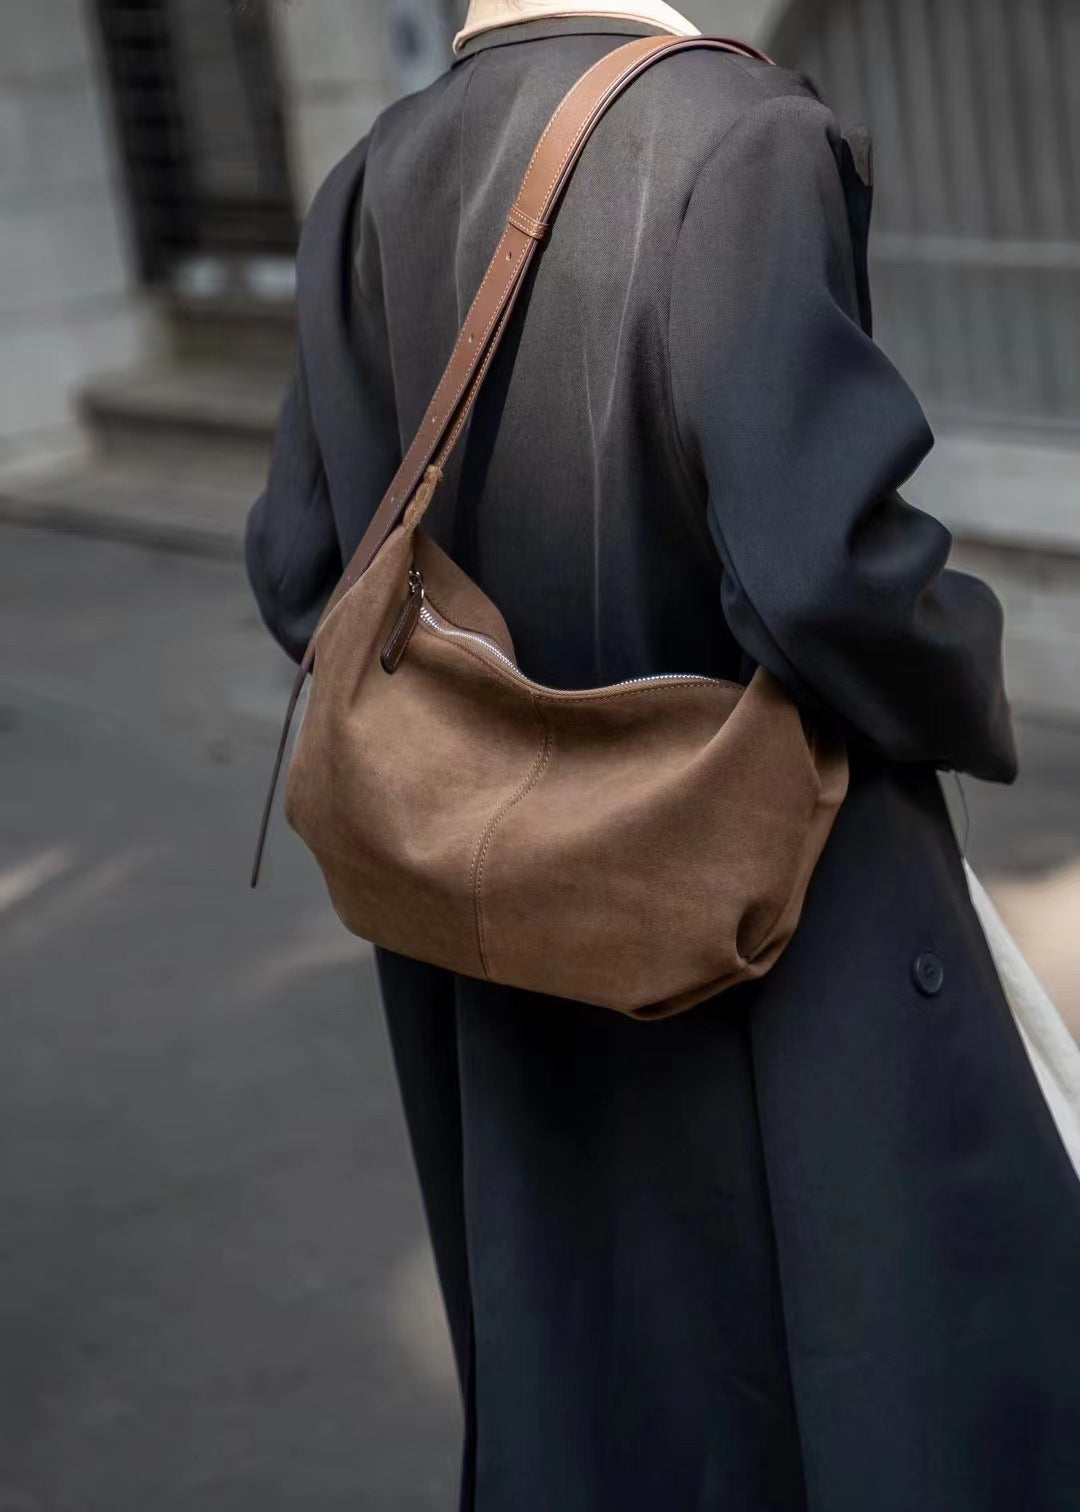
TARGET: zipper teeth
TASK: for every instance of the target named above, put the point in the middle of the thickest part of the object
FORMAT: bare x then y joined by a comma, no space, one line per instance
428,619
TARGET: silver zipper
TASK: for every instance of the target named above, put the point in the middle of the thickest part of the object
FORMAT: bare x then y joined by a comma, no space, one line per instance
440,627
428,620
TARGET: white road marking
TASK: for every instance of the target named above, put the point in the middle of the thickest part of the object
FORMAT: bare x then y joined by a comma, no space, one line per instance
20,882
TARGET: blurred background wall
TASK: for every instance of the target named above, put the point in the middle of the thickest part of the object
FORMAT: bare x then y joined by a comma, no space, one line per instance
70,297
156,155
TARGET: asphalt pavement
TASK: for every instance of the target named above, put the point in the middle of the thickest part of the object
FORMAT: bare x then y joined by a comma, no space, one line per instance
215,1288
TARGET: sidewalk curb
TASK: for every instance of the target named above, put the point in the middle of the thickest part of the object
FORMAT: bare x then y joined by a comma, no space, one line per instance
184,537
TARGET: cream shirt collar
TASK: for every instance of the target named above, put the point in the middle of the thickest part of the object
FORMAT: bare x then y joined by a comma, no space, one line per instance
485,15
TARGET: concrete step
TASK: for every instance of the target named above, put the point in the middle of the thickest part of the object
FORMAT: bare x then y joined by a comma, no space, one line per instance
197,413
233,328
179,509
178,452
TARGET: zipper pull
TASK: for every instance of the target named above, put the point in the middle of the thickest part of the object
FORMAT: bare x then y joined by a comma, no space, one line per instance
407,620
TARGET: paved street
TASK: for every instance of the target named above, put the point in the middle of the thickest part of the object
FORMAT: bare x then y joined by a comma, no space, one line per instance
214,1286
215,1291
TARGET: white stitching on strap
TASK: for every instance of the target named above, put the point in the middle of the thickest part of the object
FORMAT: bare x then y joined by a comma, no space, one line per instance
494,316
437,398
658,46
531,226
477,379
558,116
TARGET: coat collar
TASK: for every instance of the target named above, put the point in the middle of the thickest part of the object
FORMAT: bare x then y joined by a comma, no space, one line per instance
489,16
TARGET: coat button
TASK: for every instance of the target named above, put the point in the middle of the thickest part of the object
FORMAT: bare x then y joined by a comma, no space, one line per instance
928,973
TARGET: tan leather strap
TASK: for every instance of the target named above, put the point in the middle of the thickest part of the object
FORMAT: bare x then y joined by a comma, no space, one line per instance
554,159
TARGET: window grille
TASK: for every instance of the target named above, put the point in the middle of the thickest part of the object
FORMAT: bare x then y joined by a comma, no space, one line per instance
974,107
199,122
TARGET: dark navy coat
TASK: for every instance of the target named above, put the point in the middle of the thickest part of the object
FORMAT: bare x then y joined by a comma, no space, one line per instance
815,1244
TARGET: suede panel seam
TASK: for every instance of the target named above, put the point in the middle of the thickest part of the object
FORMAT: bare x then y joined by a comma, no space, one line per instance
536,771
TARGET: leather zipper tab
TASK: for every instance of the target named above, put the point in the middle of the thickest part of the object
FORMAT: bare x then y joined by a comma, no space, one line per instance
407,621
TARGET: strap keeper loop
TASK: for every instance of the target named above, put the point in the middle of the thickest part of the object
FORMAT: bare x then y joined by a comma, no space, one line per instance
522,221
423,496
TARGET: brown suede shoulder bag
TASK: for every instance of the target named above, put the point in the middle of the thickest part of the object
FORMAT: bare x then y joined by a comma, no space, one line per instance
641,846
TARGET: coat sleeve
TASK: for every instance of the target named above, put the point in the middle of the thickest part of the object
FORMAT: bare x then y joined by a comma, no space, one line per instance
290,543
336,444
801,432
